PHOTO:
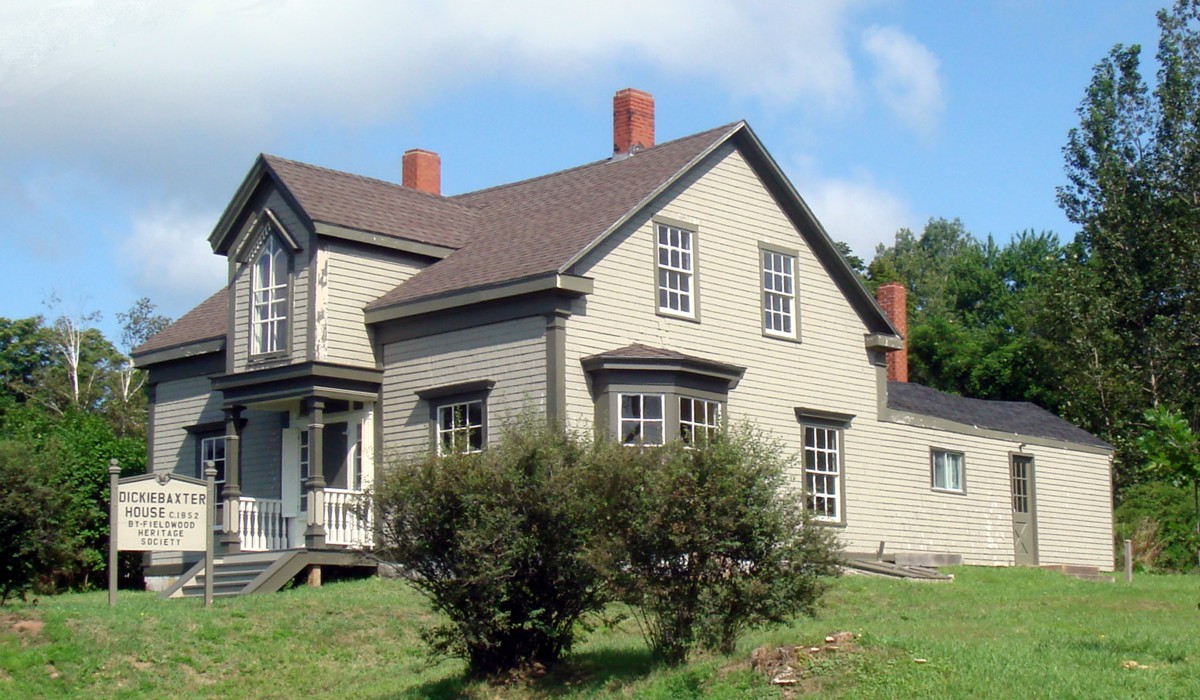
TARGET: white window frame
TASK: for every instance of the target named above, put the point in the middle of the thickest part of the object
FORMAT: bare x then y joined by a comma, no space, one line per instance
461,427
269,298
208,451
675,270
631,426
947,470
698,417
823,473
778,292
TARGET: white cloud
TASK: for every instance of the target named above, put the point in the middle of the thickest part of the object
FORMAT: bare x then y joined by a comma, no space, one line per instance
167,258
858,212
906,77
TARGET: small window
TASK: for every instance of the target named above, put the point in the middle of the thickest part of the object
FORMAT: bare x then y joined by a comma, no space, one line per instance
213,449
642,419
779,293
699,419
675,270
460,427
356,471
270,303
948,471
304,462
823,472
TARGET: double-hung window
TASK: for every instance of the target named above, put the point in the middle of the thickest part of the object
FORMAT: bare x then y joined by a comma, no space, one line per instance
212,449
270,303
460,427
699,419
948,471
779,293
676,260
823,472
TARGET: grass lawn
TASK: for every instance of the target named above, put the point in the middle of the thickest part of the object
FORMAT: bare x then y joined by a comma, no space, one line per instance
992,633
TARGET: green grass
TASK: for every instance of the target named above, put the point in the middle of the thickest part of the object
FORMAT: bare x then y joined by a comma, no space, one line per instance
992,633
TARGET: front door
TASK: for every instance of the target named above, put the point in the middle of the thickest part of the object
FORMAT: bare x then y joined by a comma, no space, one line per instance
1024,510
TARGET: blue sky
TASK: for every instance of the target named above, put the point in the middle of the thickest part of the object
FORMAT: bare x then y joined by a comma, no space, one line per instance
126,126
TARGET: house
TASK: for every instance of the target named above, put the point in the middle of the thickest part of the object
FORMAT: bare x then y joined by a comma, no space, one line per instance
654,294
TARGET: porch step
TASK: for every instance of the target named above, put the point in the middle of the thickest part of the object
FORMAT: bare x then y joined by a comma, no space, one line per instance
1083,573
259,572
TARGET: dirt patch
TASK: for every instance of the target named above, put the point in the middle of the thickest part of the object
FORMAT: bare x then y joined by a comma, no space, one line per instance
791,667
28,629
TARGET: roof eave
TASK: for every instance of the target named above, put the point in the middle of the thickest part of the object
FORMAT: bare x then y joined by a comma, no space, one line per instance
405,245
572,285
223,235
181,351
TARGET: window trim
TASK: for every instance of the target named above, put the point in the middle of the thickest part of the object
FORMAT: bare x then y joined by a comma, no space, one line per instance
467,428
454,394
693,273
205,437
270,236
642,420
763,249
962,476
840,432
709,428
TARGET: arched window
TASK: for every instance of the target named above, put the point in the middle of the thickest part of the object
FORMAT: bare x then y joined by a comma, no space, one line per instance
270,303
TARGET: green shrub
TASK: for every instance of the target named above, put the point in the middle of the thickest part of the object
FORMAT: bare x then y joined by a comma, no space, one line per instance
1172,512
497,542
32,541
704,542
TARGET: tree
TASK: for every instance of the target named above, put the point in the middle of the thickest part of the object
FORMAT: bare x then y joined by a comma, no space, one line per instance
705,540
138,324
1173,451
1127,313
32,516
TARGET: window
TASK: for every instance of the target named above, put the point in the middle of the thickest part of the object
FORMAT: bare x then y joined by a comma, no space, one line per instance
699,419
779,293
675,266
642,419
823,472
213,449
356,474
269,326
460,427
304,462
948,471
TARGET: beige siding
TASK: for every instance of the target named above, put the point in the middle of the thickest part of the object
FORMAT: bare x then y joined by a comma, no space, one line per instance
241,290
349,278
513,354
887,484
178,405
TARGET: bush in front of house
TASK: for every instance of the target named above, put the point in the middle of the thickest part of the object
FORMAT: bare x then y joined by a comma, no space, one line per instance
497,541
706,541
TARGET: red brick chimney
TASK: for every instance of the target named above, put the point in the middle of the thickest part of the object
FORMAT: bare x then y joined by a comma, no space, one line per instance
633,121
893,298
422,171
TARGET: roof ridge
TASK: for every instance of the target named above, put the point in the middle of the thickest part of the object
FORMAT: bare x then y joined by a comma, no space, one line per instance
268,158
603,161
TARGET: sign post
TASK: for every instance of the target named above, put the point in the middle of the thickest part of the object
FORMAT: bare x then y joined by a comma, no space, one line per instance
210,475
160,513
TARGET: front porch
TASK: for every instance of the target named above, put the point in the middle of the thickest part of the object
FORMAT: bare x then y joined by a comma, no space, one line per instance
262,525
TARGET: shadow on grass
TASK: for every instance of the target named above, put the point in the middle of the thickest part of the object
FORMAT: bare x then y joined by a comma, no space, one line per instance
583,674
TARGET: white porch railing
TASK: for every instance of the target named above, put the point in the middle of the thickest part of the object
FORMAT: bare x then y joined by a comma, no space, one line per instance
261,524
345,521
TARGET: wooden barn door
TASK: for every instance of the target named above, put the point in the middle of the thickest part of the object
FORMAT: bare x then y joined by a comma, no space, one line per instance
1024,509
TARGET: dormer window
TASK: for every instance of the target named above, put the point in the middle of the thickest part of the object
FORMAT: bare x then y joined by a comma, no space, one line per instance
270,304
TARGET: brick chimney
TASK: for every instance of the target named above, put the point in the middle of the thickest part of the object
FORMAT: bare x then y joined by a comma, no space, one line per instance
422,171
633,121
893,298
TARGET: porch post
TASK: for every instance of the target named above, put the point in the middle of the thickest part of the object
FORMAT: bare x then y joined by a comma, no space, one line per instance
231,539
314,486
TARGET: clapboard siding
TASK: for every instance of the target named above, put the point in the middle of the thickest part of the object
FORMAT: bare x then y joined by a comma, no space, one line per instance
512,354
887,486
262,440
178,405
241,291
350,277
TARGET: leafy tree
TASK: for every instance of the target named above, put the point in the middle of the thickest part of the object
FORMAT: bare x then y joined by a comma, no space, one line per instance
127,410
497,541
32,517
24,353
1127,307
705,541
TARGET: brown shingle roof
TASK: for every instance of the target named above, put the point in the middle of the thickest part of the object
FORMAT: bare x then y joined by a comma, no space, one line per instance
205,322
366,204
536,226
